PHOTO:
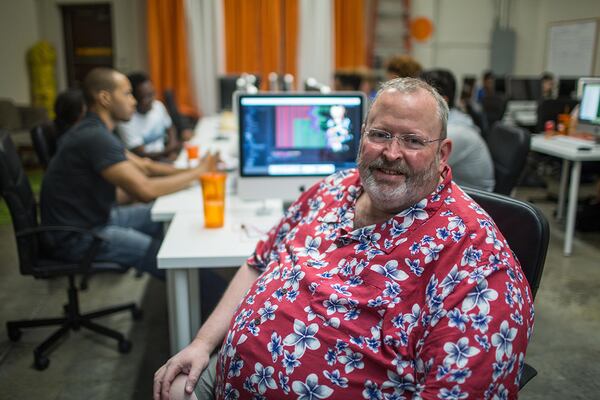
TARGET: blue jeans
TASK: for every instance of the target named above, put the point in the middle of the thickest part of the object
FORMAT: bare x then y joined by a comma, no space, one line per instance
131,239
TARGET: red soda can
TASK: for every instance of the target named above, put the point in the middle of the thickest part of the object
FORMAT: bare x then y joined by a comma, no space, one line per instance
549,126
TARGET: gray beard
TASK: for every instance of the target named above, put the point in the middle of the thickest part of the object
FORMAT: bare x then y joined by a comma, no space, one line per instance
415,187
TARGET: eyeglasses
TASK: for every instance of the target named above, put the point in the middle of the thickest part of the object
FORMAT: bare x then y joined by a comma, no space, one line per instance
409,141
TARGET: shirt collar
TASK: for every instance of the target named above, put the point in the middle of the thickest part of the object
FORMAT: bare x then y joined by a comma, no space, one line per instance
388,235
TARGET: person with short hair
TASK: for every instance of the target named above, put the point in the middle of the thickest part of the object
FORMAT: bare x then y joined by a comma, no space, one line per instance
547,85
381,282
403,66
92,169
488,80
471,161
150,131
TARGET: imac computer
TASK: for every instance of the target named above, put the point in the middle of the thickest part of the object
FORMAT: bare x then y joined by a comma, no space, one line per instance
228,84
288,141
567,88
524,89
589,108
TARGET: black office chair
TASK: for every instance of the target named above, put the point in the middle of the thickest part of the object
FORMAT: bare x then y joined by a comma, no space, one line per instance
527,232
549,109
180,121
494,107
509,147
479,118
43,138
32,247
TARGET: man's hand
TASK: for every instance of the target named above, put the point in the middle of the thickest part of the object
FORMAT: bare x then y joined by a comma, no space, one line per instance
192,360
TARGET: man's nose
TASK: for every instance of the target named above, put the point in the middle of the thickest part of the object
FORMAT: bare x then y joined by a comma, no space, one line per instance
394,150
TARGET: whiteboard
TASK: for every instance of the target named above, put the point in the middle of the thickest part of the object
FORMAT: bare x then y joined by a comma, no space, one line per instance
571,47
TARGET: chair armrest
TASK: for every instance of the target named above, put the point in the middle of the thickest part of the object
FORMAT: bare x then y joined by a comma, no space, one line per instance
57,228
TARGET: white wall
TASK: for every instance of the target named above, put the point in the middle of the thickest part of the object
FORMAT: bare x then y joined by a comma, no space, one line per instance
24,22
461,41
128,17
18,32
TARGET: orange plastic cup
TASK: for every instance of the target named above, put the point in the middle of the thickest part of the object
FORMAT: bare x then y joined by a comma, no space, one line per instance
192,151
213,195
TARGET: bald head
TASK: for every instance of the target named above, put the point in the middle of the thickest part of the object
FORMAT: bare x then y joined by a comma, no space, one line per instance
97,80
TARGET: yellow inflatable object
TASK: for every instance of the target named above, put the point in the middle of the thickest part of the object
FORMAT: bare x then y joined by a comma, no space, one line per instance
41,60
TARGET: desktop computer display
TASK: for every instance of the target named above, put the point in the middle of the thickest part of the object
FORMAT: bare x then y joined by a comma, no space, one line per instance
567,88
289,141
524,89
589,108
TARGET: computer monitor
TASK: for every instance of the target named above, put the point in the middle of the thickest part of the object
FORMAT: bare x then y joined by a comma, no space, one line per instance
524,89
589,108
228,84
500,85
288,141
567,88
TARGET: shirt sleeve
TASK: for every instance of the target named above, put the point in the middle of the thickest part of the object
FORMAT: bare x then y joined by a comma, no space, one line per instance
267,248
104,150
477,337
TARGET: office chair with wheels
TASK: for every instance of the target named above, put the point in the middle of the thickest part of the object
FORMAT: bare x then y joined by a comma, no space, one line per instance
43,138
32,248
508,147
527,232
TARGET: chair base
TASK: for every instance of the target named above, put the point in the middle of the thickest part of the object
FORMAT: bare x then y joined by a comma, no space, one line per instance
73,320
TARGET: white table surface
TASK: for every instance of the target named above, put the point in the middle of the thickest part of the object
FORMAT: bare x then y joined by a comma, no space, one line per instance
575,152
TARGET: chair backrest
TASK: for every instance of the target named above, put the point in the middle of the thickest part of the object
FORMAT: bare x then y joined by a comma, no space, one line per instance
479,118
550,108
173,110
44,142
509,147
494,107
16,191
524,227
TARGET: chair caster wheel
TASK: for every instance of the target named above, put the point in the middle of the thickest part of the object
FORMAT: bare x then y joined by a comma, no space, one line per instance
137,313
14,334
41,362
124,346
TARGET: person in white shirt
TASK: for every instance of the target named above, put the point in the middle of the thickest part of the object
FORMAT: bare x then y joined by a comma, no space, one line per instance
471,162
150,132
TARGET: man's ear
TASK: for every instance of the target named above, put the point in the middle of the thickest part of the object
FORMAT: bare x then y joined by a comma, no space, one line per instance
104,98
445,150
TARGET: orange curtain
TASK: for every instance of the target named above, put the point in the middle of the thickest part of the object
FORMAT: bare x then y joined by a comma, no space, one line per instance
350,47
167,52
261,37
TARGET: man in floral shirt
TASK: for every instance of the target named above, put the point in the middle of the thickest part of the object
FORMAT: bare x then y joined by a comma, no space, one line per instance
384,283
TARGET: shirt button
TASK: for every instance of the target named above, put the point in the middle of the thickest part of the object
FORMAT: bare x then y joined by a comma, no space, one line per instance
283,291
257,321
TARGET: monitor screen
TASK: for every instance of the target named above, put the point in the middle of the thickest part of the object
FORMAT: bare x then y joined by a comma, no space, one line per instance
567,88
589,108
500,85
528,89
227,86
289,141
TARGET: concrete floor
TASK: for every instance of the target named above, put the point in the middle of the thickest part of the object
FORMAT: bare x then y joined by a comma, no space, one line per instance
565,347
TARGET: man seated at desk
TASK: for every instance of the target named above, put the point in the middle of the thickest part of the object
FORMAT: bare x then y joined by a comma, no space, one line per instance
385,282
470,158
92,169
150,126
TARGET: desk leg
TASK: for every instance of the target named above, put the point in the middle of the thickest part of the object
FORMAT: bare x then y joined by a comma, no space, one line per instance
573,190
179,309
194,301
562,189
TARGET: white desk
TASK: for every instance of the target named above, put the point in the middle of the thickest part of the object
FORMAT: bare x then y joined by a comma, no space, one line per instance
569,152
188,246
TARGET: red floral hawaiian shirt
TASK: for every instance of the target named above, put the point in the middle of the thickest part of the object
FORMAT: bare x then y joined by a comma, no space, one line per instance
429,304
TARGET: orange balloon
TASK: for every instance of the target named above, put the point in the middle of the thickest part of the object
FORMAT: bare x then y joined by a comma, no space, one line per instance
421,28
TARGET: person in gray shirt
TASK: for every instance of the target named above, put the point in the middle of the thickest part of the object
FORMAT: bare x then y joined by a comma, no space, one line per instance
470,159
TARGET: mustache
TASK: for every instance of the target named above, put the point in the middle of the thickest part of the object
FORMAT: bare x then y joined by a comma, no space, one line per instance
397,167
